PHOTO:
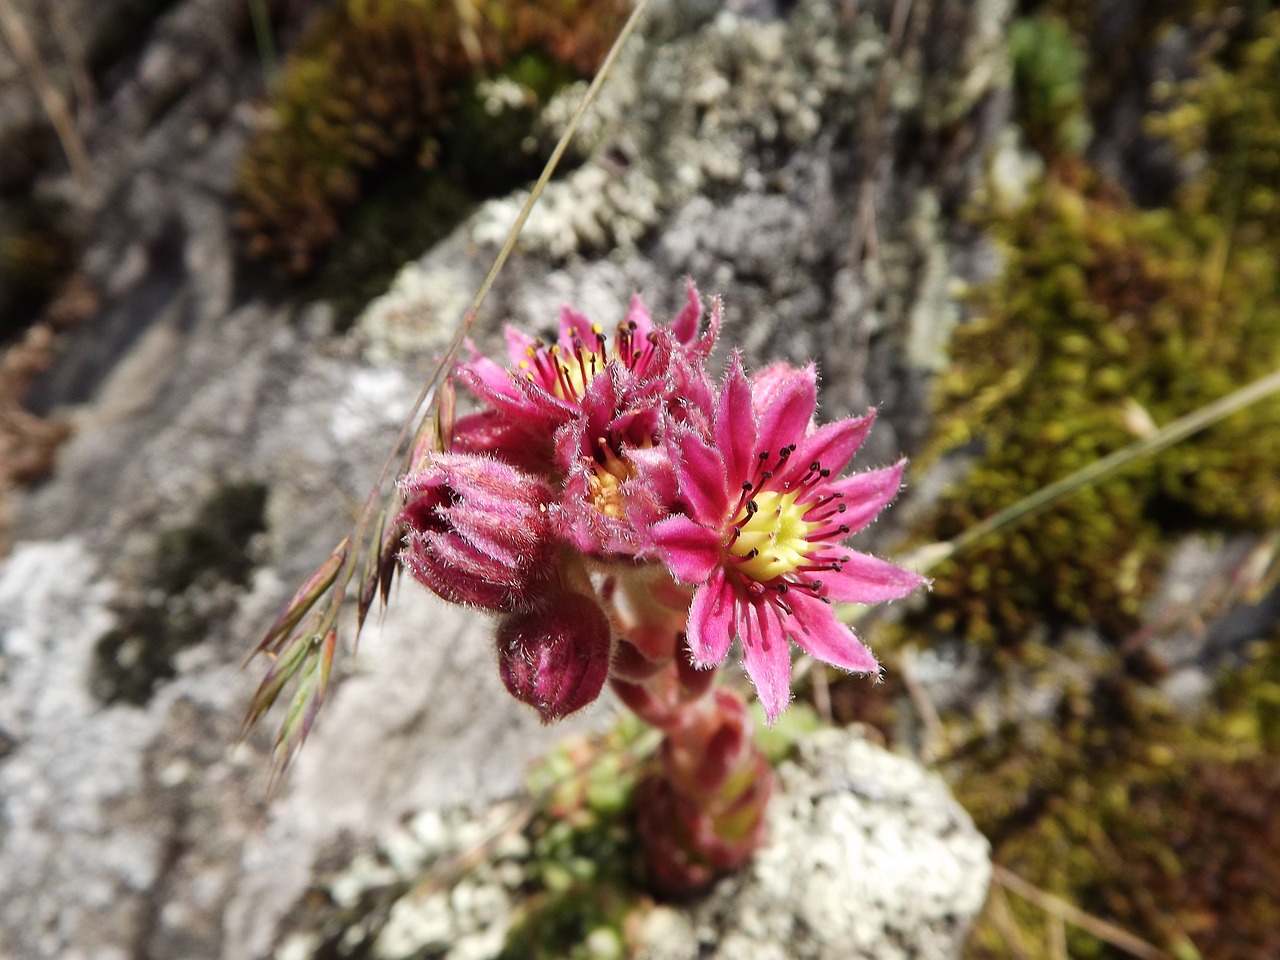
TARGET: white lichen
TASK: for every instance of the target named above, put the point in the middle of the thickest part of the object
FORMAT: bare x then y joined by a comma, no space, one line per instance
679,116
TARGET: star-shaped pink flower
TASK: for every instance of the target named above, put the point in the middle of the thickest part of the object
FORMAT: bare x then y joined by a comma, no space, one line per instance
764,518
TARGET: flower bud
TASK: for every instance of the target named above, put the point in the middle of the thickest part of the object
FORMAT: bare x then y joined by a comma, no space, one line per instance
477,531
556,659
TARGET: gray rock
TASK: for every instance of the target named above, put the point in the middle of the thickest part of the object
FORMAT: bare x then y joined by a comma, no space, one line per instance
868,856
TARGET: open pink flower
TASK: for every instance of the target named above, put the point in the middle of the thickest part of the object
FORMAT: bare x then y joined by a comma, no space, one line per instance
761,535
546,383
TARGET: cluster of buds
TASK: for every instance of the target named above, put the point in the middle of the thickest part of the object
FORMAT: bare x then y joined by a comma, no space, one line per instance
628,516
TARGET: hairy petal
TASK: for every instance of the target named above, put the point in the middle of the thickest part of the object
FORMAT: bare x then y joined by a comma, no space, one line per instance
702,476
571,322
866,494
834,444
736,424
767,656
519,344
712,621
638,314
825,638
685,325
785,419
736,428
481,371
867,579
706,343
690,550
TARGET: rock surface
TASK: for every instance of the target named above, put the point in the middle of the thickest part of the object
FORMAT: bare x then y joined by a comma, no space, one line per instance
138,829
870,854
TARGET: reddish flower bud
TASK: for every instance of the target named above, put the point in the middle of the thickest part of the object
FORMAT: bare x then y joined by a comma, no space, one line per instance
556,659
478,531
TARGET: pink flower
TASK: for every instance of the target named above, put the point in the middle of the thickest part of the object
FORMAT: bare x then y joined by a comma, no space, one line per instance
618,479
546,383
761,535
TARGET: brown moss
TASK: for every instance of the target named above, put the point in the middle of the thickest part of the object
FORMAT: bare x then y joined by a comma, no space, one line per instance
1162,823
374,84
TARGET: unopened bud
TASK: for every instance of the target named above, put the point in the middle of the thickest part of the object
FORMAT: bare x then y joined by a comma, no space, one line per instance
477,531
556,659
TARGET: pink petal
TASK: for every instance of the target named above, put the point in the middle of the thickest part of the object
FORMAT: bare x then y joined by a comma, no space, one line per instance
712,621
571,322
767,657
685,325
706,343
736,425
638,314
867,579
786,418
702,476
816,629
692,397
518,345
866,494
834,444
483,371
690,551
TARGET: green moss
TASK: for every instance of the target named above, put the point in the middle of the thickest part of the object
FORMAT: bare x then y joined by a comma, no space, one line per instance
1109,318
585,872
1102,313
1230,114
172,609
381,84
408,209
1049,69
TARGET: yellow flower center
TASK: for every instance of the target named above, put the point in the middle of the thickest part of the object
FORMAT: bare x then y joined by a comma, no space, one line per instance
773,538
605,483
566,373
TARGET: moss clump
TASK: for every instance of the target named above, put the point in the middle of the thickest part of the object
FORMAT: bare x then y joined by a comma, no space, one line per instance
1228,117
1049,70
176,603
1101,323
1164,824
381,83
409,209
1108,319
